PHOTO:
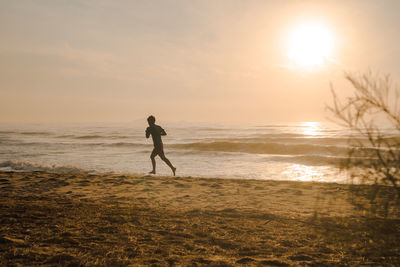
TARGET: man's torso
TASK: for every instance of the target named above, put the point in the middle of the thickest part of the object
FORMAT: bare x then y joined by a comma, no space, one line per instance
155,132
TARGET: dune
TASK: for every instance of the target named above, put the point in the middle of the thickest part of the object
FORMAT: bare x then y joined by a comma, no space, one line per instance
79,219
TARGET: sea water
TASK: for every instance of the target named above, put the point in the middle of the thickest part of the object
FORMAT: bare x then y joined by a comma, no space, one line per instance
306,151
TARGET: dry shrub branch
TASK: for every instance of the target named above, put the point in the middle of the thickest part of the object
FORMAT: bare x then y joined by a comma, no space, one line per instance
372,114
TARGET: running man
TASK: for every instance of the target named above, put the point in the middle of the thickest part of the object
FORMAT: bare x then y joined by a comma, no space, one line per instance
156,132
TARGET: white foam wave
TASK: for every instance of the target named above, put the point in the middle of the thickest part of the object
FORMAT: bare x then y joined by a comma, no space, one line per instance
19,166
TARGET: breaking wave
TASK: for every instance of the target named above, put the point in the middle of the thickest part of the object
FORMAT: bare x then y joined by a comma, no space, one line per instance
127,144
88,137
40,133
94,136
11,165
266,148
311,160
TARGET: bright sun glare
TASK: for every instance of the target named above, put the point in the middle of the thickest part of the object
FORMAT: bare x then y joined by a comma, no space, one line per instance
309,45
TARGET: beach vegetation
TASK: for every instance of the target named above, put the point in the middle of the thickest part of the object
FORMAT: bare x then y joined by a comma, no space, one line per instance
372,115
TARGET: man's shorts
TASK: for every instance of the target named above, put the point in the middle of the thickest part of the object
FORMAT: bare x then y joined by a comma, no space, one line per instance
158,150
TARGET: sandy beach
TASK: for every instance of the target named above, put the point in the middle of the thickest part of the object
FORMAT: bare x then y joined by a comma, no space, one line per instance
119,220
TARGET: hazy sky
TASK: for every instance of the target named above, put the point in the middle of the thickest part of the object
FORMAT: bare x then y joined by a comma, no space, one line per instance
95,60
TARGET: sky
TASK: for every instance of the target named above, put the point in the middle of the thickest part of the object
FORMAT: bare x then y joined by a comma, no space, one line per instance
197,61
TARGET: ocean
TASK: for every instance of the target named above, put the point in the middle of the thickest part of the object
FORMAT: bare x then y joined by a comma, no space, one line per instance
306,151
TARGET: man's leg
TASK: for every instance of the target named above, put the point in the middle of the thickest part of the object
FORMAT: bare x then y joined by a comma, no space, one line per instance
153,161
164,158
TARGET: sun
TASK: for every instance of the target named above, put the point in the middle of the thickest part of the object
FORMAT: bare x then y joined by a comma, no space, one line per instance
310,45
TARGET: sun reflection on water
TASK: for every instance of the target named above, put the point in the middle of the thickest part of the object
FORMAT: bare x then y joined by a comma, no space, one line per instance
304,173
311,128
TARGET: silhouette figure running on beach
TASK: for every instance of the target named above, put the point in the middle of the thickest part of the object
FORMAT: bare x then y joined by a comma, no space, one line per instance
156,132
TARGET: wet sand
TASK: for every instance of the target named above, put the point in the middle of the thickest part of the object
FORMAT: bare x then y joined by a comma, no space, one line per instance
119,220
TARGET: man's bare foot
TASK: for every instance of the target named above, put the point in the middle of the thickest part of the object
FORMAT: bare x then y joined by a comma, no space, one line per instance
152,172
173,170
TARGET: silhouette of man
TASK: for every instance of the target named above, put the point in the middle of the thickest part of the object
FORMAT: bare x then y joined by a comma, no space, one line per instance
156,132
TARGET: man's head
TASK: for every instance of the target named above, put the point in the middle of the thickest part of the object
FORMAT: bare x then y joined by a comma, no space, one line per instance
151,120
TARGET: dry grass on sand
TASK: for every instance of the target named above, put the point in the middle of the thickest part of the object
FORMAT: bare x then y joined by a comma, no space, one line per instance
118,220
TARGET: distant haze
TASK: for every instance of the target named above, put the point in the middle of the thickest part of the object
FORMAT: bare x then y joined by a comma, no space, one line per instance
216,61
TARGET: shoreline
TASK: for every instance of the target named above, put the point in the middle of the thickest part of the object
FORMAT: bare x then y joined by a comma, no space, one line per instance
116,219
70,170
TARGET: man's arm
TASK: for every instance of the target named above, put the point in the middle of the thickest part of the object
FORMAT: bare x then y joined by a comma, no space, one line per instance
162,131
147,132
